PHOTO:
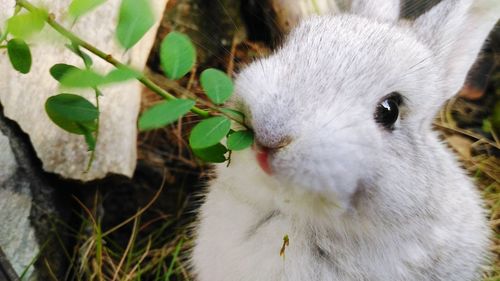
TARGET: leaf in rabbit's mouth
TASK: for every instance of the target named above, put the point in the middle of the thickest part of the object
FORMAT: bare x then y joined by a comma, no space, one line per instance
262,155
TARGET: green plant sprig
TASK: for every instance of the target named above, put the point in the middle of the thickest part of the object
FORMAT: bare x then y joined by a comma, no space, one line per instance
143,79
77,115
106,57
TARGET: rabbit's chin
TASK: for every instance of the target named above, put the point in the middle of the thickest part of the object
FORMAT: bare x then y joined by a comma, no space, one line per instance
317,201
252,179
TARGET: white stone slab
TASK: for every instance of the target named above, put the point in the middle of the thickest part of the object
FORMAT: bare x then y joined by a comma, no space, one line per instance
23,96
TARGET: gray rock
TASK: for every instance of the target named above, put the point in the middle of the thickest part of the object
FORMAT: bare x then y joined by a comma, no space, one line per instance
31,208
8,163
17,236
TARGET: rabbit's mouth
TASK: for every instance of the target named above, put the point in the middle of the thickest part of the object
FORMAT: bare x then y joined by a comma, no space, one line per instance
262,155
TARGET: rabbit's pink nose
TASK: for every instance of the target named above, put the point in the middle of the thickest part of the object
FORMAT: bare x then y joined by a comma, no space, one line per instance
262,154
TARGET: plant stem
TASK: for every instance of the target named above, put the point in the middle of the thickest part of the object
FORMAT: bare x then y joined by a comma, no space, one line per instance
107,57
98,120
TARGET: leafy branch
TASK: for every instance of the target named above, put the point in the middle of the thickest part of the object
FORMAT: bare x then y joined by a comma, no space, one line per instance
76,115
77,41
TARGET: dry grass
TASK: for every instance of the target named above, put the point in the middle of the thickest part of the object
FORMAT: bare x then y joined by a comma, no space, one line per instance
147,255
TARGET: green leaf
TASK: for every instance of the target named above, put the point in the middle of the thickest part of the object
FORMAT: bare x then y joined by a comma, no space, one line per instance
240,140
177,55
71,76
164,113
213,154
19,55
217,85
135,19
120,75
57,71
209,132
72,113
89,138
487,127
78,8
81,78
26,24
237,115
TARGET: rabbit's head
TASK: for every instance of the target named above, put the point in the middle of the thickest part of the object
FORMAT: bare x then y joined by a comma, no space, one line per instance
347,102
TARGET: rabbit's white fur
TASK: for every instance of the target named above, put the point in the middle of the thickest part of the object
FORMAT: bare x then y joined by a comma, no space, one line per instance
387,9
358,202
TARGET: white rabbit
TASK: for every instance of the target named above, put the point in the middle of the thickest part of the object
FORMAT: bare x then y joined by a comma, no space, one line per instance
356,178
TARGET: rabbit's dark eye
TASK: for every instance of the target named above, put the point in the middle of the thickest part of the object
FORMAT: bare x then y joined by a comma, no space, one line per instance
387,111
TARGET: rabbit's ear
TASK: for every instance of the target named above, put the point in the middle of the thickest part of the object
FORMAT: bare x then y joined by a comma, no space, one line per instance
387,10
455,31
